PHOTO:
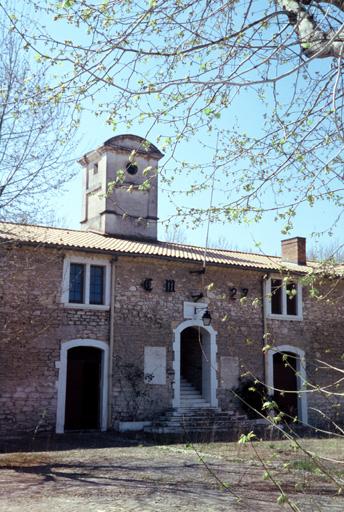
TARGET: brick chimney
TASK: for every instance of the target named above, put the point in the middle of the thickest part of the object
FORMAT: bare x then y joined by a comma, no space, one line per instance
294,250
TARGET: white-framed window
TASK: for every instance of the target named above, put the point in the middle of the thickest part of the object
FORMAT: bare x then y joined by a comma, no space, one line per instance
283,298
86,282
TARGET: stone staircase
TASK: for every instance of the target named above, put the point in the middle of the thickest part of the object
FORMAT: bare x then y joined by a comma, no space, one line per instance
195,415
190,397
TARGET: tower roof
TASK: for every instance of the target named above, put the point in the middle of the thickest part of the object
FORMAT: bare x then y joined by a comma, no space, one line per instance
125,142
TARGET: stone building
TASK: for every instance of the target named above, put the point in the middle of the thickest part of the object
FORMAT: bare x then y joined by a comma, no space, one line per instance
108,325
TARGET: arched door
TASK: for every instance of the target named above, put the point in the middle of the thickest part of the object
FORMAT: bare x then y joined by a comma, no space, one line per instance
194,350
286,383
83,393
191,348
286,380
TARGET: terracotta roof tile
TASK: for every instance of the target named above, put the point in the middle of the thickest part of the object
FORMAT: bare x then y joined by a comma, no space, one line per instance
86,240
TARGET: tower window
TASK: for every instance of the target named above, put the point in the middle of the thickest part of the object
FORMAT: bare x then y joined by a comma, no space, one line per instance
131,168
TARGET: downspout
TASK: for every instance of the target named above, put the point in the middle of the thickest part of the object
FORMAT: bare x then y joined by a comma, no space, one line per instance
111,337
265,331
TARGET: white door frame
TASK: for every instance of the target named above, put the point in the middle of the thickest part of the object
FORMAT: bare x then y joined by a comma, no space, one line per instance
211,334
62,380
300,373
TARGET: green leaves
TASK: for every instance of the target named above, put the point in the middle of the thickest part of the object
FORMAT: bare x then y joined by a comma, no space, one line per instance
247,438
66,4
282,499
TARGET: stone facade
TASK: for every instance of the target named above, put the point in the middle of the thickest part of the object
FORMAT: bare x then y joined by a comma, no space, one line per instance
35,325
125,357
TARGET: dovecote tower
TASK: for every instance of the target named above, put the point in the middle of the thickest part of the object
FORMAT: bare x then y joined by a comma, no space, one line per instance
116,198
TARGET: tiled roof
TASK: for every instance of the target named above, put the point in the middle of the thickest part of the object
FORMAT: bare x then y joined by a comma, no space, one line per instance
86,240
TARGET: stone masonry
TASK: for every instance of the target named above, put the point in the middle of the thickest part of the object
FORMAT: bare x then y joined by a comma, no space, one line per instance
34,324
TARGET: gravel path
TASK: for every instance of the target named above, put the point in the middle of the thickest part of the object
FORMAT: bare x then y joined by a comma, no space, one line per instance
133,477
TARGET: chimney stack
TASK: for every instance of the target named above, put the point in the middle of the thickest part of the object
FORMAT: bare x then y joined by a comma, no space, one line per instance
294,250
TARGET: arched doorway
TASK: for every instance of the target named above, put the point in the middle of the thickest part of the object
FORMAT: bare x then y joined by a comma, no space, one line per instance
195,350
82,399
191,348
286,380
82,409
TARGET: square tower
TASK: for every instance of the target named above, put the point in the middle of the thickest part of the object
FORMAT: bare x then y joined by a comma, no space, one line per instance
120,192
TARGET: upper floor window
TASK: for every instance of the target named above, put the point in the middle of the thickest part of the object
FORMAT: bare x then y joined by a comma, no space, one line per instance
283,298
97,275
77,283
86,282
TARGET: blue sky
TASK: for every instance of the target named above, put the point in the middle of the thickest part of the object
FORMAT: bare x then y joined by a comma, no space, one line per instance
267,233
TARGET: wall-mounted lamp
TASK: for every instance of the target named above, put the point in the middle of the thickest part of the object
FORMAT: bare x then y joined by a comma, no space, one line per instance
206,317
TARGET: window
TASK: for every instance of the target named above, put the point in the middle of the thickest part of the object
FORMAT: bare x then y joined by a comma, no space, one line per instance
131,168
86,283
283,299
276,296
96,284
76,283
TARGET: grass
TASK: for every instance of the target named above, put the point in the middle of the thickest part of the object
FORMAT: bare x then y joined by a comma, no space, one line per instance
314,456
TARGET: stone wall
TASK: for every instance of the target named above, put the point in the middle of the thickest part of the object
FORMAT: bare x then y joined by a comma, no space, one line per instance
34,324
149,317
320,334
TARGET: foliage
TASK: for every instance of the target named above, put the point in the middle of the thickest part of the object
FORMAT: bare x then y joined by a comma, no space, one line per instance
179,68
35,134
252,396
333,252
134,389
175,233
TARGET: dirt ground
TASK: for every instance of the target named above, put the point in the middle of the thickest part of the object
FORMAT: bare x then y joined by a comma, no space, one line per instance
103,473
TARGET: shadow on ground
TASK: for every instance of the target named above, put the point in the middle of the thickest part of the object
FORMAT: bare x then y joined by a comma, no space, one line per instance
68,441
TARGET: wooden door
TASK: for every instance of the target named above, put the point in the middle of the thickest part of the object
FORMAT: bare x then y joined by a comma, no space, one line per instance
83,388
286,383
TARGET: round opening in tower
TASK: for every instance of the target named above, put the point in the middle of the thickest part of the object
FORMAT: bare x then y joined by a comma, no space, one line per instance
131,168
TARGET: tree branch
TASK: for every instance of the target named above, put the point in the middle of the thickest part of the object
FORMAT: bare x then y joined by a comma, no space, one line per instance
314,41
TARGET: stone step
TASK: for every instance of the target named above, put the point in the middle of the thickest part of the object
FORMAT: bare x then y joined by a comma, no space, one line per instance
199,414
194,425
228,417
179,430
194,415
194,403
196,406
187,412
196,399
